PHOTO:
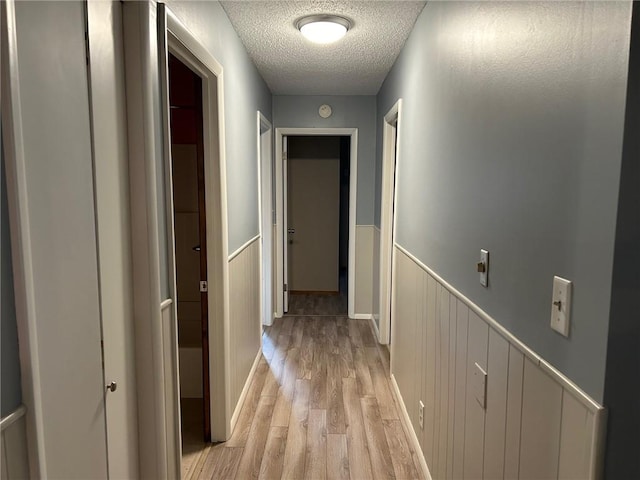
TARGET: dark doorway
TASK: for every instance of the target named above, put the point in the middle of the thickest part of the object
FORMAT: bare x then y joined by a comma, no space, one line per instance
187,156
318,224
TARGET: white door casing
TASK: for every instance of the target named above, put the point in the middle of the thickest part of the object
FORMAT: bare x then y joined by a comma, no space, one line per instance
182,44
265,207
390,156
145,159
151,29
108,110
281,209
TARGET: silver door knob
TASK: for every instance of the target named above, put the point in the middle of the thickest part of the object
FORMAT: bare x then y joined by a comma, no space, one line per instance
112,386
291,230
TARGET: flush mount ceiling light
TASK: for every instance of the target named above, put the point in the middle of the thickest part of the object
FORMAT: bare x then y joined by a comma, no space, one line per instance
323,28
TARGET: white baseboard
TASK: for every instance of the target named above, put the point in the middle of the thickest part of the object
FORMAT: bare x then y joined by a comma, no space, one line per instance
361,316
245,390
413,438
375,328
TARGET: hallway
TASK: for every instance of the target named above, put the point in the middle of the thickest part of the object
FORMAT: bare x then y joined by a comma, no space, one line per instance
319,406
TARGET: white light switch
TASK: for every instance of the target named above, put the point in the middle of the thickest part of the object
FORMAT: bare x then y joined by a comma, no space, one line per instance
483,268
561,305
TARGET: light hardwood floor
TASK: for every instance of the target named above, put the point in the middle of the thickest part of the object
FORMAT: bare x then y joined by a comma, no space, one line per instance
314,304
319,406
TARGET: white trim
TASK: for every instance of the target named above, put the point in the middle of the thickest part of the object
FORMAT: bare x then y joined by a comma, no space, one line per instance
151,29
245,390
166,304
211,71
375,327
23,275
598,444
568,385
353,184
142,72
265,159
390,160
243,247
408,427
12,418
360,316
171,330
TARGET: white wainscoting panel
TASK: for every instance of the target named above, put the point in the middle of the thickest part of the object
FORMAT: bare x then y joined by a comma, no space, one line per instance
375,278
494,435
541,417
14,462
530,422
514,413
364,271
244,319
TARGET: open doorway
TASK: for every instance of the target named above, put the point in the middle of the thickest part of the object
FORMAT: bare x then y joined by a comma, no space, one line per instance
189,203
317,203
281,173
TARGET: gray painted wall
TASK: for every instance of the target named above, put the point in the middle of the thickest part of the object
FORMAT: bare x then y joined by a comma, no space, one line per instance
245,93
10,390
348,112
512,141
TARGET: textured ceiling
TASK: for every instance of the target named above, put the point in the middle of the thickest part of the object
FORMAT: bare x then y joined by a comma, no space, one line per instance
355,65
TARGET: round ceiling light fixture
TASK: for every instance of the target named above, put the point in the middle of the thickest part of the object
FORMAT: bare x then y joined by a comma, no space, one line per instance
323,28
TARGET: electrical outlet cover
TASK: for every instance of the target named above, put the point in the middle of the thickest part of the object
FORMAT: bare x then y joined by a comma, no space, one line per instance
561,305
484,276
479,385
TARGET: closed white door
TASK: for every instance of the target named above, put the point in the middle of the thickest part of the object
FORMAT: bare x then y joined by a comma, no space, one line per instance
54,238
314,220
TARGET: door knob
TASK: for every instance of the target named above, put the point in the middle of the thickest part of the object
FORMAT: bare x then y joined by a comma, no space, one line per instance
291,230
112,386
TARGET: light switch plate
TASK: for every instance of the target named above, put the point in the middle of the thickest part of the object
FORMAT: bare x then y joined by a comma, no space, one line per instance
484,259
561,305
479,385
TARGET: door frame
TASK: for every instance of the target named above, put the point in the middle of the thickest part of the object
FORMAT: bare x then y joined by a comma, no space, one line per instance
151,31
21,251
265,185
390,157
203,265
182,44
280,217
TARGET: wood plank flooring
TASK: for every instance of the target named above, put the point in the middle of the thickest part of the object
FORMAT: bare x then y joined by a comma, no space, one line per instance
310,304
319,407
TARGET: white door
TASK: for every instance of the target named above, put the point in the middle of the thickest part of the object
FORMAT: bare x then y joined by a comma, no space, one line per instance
53,227
314,220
